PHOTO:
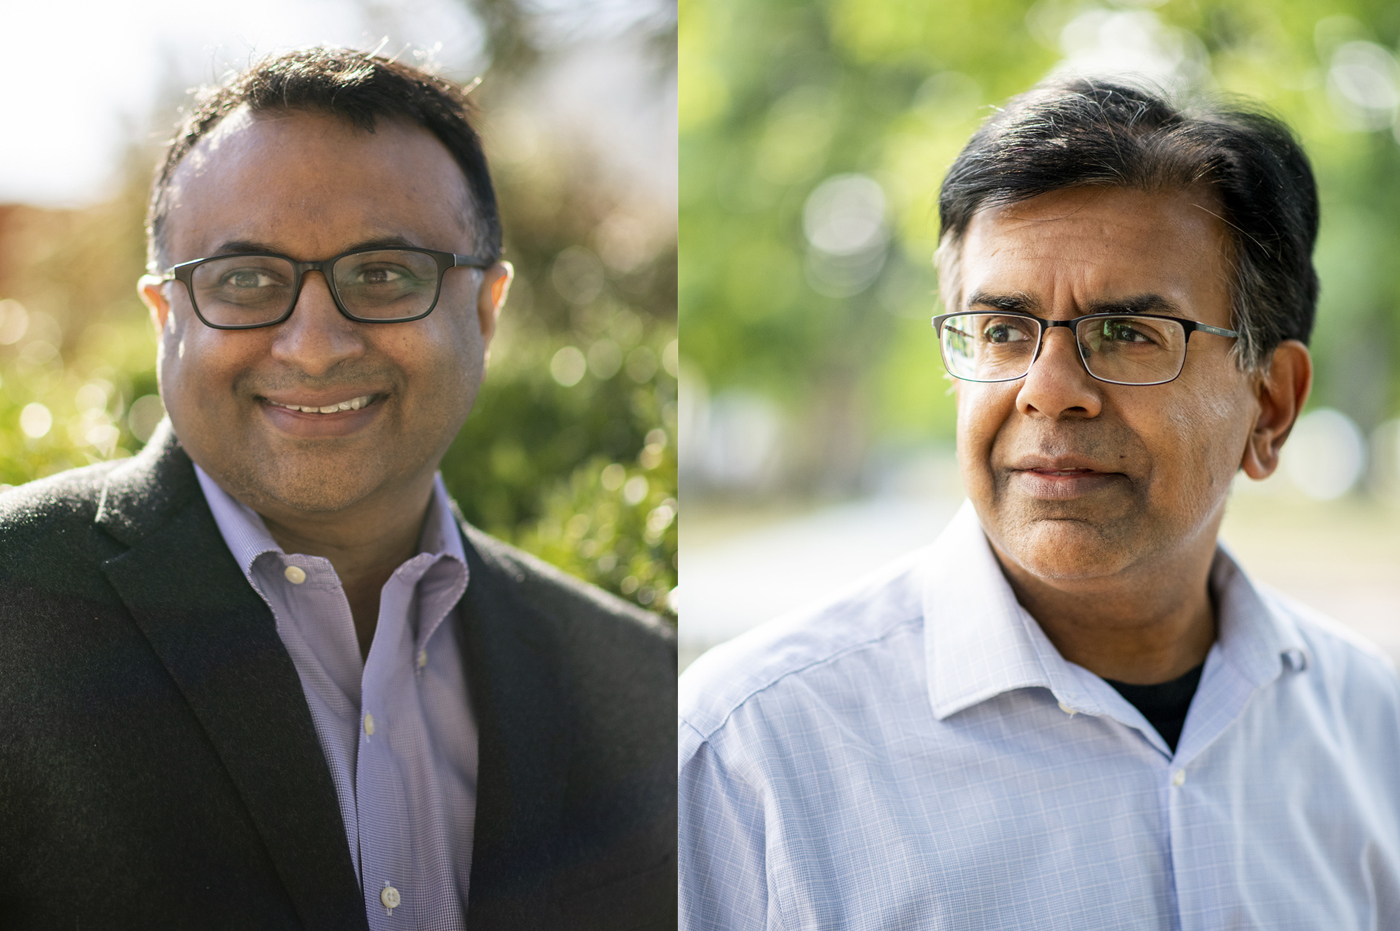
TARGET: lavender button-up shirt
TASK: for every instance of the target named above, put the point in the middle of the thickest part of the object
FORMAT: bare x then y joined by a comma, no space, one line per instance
397,728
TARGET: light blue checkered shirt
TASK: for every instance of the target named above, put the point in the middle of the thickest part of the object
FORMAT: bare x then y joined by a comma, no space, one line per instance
916,754
407,792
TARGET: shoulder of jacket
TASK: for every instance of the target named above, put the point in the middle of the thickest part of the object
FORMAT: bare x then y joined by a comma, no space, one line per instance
567,600
36,507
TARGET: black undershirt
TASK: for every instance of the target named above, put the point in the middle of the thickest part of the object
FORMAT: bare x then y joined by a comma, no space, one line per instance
1165,704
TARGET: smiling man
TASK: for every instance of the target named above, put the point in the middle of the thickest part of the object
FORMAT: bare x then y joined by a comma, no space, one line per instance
262,675
1073,711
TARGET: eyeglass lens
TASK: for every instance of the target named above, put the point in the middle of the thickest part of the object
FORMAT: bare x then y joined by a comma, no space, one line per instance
1127,349
245,290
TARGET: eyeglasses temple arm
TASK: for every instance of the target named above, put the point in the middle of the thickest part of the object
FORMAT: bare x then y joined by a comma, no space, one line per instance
1216,330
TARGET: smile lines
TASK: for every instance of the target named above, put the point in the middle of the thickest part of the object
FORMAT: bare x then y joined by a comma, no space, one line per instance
353,404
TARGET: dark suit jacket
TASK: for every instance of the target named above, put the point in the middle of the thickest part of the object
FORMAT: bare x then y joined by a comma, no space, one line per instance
158,763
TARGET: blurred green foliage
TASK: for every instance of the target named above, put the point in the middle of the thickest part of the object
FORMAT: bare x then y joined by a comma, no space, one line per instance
579,469
777,96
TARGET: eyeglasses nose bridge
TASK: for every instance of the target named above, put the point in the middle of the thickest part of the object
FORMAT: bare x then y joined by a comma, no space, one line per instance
303,269
1045,327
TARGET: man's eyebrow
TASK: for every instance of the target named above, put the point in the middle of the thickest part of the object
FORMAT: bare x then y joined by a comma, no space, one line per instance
385,242
1009,302
1137,304
238,246
241,245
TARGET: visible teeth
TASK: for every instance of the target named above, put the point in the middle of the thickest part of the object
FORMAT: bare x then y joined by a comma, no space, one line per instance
353,404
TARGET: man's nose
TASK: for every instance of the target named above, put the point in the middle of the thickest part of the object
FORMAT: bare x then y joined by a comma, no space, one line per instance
317,336
1058,385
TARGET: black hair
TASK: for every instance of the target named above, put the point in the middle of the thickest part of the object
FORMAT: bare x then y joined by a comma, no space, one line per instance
1080,131
358,87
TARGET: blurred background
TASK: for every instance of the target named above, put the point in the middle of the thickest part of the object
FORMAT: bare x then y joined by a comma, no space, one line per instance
571,450
817,423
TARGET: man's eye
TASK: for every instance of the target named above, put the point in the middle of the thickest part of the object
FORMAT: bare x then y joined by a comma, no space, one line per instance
1126,331
1004,333
381,275
248,278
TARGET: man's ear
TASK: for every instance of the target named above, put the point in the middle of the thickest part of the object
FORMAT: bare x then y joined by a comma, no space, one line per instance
1281,392
495,285
152,291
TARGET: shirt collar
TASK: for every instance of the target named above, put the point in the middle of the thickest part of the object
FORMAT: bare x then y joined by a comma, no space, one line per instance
441,535
247,537
979,642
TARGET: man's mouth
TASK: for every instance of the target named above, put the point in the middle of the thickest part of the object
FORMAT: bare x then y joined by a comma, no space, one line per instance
353,404
1039,478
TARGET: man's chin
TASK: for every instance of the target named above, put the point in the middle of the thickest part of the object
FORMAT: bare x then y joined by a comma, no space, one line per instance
289,489
1066,548
309,499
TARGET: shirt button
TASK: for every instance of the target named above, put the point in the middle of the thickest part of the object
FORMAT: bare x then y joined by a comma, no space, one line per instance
295,575
390,897
1067,709
369,729
422,658
1179,777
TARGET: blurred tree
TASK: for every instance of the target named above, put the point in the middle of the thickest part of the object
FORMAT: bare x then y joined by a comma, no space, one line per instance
596,280
574,464
780,100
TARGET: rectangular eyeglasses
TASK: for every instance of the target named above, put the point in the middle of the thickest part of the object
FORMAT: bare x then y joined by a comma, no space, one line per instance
244,290
1121,349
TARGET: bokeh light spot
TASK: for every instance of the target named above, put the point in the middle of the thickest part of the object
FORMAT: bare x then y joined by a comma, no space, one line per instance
568,366
35,420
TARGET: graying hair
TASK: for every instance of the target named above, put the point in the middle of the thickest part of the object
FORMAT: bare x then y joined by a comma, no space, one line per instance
1082,132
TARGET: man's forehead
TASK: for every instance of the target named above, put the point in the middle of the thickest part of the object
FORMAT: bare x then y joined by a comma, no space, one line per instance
245,132
334,162
1097,249
211,142
1095,225
1197,206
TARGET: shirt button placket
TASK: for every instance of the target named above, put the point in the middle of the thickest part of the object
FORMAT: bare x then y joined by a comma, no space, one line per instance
389,898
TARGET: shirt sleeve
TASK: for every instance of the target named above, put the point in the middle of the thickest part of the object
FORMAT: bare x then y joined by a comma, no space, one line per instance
723,876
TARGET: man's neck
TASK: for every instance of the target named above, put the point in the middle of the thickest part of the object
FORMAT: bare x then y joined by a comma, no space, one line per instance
1142,627
364,544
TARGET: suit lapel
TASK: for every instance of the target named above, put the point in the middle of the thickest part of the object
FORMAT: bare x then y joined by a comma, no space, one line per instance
219,642
517,679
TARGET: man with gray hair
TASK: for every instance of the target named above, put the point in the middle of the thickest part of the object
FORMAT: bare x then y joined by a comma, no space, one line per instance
1074,710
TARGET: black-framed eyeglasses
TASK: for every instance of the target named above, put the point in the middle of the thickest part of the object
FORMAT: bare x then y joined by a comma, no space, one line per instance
1121,349
243,290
